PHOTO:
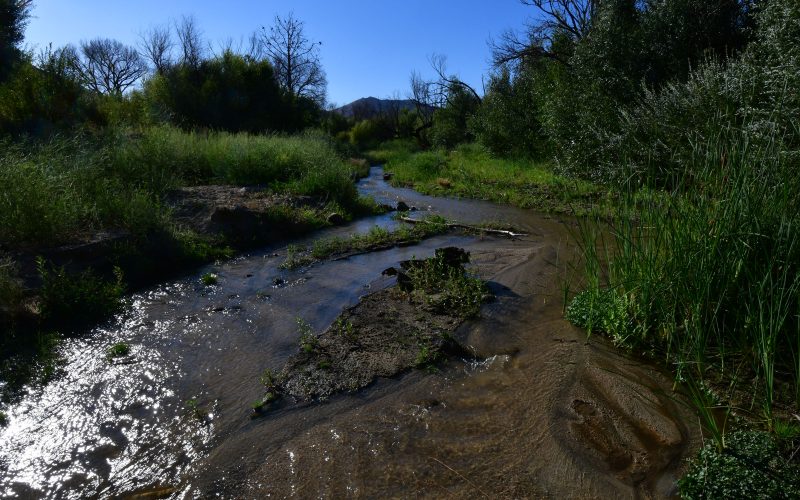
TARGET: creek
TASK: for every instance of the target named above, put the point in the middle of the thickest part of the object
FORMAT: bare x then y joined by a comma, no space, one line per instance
539,411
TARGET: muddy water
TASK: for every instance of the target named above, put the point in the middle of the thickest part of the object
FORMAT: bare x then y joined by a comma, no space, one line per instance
543,412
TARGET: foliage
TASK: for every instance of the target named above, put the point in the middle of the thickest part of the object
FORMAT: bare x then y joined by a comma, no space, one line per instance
229,92
41,101
118,350
78,299
446,287
709,273
10,288
750,466
376,238
308,339
209,279
509,121
13,19
450,122
473,172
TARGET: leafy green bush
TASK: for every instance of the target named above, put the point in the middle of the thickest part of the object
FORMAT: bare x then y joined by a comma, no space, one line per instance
118,350
750,466
606,311
446,287
229,92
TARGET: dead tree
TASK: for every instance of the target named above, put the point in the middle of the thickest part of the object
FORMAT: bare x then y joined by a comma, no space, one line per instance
294,56
108,66
568,18
190,42
156,47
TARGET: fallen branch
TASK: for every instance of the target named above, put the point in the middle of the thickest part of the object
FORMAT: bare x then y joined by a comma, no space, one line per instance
502,232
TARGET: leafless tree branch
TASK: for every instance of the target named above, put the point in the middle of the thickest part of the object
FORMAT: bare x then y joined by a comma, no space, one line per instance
294,56
108,66
156,47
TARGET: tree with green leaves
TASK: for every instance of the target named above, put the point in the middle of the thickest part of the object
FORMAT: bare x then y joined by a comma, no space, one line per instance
14,16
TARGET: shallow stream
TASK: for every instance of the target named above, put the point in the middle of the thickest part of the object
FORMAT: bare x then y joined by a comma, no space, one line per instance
545,412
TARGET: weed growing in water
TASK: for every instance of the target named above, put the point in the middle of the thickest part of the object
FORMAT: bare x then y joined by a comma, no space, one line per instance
118,350
376,238
447,287
426,358
209,279
308,339
296,257
197,411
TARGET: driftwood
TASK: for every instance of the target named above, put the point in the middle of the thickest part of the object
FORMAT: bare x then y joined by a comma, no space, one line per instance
501,232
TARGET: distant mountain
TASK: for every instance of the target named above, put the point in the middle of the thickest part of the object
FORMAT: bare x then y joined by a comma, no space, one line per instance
369,107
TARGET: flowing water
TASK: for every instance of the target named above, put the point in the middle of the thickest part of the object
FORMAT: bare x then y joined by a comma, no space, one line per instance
540,411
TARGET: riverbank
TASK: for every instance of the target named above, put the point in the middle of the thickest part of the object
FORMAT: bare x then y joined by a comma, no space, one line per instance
85,218
469,171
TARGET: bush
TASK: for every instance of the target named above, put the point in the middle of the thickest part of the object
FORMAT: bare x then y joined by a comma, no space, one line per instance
78,299
229,92
750,466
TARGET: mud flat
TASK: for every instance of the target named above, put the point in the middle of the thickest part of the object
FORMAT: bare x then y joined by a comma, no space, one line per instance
387,332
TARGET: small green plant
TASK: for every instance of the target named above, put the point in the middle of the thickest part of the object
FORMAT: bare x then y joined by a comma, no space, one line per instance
272,390
308,340
209,279
750,466
3,419
324,365
605,311
786,430
344,328
78,299
268,379
447,287
197,411
118,350
296,257
426,358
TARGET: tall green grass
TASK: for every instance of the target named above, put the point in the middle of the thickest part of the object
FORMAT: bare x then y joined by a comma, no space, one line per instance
471,171
164,156
61,190
708,274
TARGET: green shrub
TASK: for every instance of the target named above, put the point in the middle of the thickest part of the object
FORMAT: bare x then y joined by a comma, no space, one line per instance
750,466
118,350
78,299
447,288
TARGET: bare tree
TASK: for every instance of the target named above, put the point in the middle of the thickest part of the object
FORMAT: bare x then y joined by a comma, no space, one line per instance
445,82
569,18
296,58
425,102
108,66
156,46
190,41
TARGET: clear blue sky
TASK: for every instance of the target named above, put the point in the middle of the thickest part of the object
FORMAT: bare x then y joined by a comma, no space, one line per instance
369,48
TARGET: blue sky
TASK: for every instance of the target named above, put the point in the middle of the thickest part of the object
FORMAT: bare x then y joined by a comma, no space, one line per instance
369,48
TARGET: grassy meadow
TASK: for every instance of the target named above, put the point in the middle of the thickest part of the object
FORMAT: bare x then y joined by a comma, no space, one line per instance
471,171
